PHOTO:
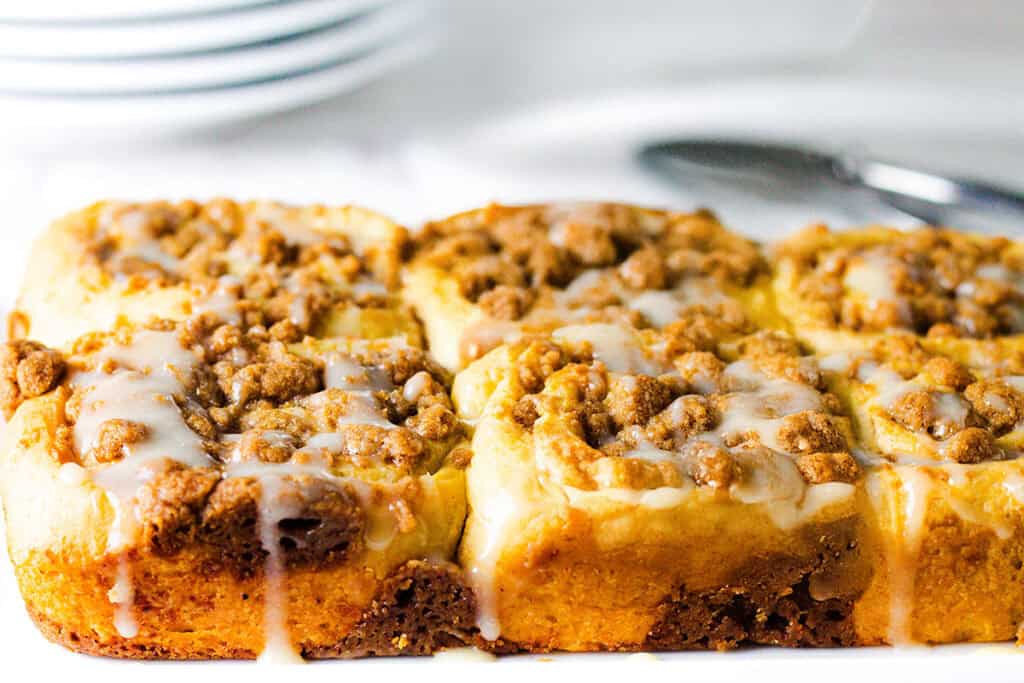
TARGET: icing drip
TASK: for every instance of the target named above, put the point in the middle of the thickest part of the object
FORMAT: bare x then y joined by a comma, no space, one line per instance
140,389
755,404
416,385
560,216
223,301
916,488
122,595
659,307
137,242
461,655
344,372
275,506
663,307
278,648
871,276
762,404
499,517
615,346
73,474
298,311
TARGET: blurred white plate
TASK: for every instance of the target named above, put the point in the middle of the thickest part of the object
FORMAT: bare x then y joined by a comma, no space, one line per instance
346,40
176,35
119,10
152,113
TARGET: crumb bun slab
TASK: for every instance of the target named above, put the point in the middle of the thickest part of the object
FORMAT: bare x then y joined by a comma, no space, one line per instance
242,451
607,499
485,277
247,430
327,270
962,293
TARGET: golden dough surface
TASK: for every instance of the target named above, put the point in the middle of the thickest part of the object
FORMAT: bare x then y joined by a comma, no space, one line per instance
485,277
245,429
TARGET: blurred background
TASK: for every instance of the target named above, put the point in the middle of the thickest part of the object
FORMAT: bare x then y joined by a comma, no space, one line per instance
422,107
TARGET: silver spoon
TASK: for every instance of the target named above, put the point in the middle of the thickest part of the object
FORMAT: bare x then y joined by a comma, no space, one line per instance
848,181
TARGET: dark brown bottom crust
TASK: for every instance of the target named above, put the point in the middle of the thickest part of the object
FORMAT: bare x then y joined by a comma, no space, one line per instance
768,603
424,607
767,607
767,613
421,608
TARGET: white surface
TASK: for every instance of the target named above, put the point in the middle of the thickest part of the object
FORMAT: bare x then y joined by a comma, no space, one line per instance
586,148
232,68
926,81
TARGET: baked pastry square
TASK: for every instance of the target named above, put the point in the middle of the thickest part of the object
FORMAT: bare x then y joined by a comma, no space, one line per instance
962,293
242,477
911,404
485,277
324,271
624,496
941,443
191,491
627,495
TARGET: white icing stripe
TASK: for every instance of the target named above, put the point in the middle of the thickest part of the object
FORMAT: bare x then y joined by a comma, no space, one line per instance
298,310
122,594
381,530
760,403
140,389
278,648
137,242
661,308
73,474
361,383
499,517
916,488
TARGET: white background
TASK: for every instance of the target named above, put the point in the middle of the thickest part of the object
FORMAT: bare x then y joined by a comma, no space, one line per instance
542,100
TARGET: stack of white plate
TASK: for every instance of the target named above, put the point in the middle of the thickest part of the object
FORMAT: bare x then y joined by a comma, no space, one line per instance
167,63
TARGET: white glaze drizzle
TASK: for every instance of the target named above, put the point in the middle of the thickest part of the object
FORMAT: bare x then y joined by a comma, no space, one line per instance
141,389
278,647
617,347
498,517
754,403
122,596
137,242
222,301
916,488
415,386
73,474
871,276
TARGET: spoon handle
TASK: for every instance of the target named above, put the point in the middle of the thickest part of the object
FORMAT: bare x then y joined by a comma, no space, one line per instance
934,198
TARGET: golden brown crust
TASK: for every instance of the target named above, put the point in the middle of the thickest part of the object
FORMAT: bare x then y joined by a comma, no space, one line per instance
658,463
420,608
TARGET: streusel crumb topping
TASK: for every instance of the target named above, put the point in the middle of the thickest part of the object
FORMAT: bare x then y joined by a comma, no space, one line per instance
931,281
